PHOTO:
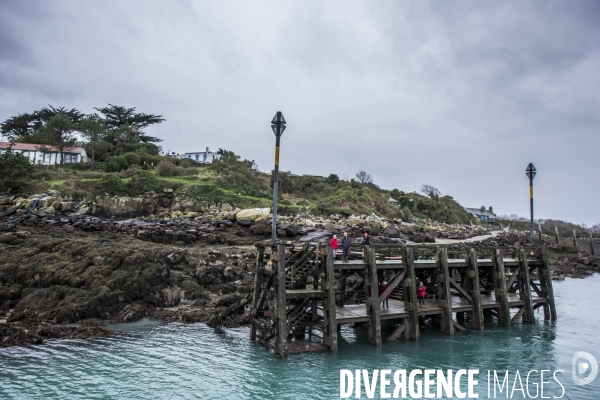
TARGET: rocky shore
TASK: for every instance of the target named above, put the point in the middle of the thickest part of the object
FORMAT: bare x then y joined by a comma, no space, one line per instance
64,262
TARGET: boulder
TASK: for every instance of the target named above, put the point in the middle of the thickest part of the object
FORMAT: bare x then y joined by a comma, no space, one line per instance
391,232
253,214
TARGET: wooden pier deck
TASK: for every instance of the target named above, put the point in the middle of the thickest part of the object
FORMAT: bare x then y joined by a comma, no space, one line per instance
300,301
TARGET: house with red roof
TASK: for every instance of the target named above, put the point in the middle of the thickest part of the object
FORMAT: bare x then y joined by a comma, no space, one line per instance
45,154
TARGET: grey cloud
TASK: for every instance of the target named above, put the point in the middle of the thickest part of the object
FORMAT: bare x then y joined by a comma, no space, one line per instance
461,95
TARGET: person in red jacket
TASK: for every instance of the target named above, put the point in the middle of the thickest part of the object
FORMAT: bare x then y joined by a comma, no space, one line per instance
382,289
421,293
334,245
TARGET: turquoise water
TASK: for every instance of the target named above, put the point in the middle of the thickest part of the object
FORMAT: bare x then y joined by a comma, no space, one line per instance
179,361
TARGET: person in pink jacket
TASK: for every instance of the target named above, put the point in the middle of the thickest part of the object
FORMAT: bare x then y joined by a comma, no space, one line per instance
421,293
334,245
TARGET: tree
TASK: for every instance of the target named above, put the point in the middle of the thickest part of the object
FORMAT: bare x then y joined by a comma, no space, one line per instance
332,179
59,131
431,191
93,129
22,127
15,172
17,126
364,177
117,117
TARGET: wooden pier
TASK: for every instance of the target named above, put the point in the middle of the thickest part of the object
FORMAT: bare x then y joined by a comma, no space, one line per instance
302,295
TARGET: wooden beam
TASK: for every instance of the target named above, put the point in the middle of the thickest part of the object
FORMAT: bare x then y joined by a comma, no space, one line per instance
518,315
373,299
461,290
525,287
282,325
257,286
458,326
500,290
535,287
510,282
393,283
446,299
548,284
412,322
331,314
477,316
396,334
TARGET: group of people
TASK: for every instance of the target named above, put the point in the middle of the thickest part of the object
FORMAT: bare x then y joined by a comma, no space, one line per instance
365,243
421,290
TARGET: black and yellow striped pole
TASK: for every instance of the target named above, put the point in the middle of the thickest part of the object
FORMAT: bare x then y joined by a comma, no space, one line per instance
278,126
530,172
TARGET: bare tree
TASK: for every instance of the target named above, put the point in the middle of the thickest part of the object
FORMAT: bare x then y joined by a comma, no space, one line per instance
431,191
364,177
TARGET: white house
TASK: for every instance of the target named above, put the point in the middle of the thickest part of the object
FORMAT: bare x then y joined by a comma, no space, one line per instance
200,156
50,155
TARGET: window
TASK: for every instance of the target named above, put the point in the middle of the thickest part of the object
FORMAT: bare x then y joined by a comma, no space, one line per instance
204,157
189,156
197,157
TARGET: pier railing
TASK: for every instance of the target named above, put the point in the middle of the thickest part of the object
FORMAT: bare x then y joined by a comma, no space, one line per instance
303,294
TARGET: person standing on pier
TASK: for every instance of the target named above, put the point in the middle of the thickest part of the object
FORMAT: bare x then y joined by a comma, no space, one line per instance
334,245
346,241
382,289
365,243
421,293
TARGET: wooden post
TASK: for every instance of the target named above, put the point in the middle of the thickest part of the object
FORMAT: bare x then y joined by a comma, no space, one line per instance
540,229
282,325
412,322
592,251
556,232
574,238
501,294
373,300
446,299
477,317
257,286
549,290
525,287
331,313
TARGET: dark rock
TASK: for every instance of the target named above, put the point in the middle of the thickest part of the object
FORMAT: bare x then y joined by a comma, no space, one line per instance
392,232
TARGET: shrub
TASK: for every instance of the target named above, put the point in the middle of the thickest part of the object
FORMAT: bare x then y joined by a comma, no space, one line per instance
132,158
112,184
143,181
167,168
15,172
186,163
116,164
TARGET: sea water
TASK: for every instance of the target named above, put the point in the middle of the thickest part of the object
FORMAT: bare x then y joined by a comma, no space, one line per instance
153,360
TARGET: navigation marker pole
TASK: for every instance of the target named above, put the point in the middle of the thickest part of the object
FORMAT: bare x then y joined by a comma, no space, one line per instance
278,126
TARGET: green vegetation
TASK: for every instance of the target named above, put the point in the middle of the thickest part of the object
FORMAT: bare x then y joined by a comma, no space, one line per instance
239,183
15,173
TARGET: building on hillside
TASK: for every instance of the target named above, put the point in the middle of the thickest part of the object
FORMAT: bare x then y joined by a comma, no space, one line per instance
200,156
393,201
483,215
45,154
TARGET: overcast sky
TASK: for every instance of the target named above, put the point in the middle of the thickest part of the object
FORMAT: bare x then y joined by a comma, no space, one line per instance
459,95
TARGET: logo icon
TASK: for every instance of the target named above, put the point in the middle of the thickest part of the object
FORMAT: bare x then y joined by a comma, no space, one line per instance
581,367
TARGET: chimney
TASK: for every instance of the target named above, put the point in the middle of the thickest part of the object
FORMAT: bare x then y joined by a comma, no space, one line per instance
491,209
482,208
207,151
